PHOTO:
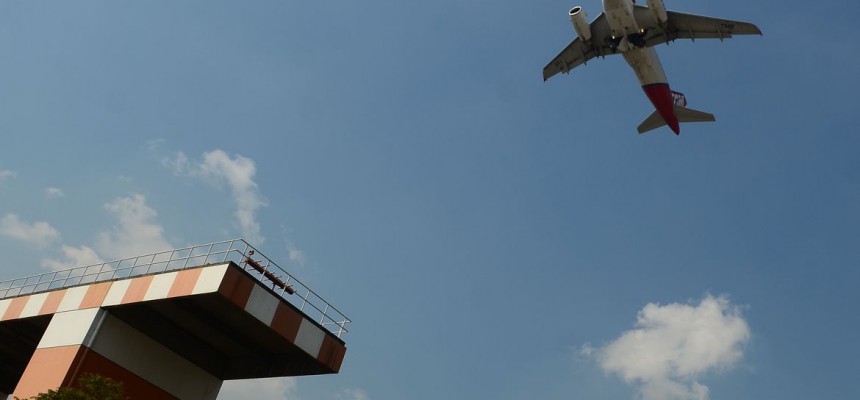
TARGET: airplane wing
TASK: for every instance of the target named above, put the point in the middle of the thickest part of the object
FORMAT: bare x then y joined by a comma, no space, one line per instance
578,52
689,26
678,26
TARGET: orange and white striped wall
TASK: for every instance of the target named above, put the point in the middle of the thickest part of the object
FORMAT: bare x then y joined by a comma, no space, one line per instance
173,335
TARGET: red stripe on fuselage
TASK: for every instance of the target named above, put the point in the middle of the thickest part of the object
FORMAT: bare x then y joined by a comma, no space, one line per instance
661,96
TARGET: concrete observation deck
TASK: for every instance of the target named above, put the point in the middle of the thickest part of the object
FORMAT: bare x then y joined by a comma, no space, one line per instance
170,325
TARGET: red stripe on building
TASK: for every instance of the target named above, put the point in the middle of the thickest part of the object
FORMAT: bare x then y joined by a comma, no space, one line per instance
52,302
57,367
95,295
137,289
237,287
332,352
184,283
286,322
136,388
47,370
15,307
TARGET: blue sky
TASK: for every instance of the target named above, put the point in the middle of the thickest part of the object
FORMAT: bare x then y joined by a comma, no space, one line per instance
491,235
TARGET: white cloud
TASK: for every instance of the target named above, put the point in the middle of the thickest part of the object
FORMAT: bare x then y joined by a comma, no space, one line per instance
179,164
136,233
295,254
673,345
6,174
353,394
259,389
238,172
587,350
154,144
38,233
54,193
73,257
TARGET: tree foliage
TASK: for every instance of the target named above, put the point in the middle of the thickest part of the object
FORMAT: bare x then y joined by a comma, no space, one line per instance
89,387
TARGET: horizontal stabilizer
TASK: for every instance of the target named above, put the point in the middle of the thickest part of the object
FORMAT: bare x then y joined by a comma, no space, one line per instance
655,121
691,115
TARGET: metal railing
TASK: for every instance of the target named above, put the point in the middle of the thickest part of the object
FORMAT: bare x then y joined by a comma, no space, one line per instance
237,250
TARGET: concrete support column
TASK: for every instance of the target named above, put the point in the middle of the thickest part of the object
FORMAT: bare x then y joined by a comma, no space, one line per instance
91,340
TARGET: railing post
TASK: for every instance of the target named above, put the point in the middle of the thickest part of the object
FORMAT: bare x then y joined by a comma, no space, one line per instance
208,252
227,253
325,313
305,299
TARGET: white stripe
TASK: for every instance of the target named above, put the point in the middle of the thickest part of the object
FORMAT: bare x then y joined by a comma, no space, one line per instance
34,304
310,338
150,360
73,298
4,305
116,293
69,328
160,286
262,304
210,279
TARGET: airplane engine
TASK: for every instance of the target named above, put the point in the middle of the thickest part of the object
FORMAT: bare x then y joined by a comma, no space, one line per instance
580,23
659,10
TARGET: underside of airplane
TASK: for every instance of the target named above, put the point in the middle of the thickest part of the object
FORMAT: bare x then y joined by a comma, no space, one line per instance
632,31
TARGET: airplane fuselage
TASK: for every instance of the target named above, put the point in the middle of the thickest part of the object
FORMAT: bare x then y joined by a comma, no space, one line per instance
644,60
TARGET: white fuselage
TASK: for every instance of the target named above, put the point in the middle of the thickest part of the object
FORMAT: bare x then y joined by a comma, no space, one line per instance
619,14
643,60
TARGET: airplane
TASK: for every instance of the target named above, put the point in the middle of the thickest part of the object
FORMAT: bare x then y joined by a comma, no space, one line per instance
633,30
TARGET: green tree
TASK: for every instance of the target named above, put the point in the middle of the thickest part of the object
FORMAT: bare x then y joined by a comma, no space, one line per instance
90,387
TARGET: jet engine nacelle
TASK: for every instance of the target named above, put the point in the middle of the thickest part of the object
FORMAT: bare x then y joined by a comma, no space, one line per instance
580,23
659,10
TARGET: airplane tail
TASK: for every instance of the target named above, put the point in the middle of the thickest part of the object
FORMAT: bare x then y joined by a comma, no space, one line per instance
655,121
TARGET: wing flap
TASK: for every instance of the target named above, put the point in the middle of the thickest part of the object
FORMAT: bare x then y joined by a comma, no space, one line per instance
579,52
575,54
690,26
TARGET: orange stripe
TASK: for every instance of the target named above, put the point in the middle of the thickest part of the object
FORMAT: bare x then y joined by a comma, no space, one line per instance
52,368
338,361
137,289
287,322
47,370
331,353
15,308
95,295
184,283
237,287
52,302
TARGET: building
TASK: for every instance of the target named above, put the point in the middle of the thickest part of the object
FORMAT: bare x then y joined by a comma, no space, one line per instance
170,325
